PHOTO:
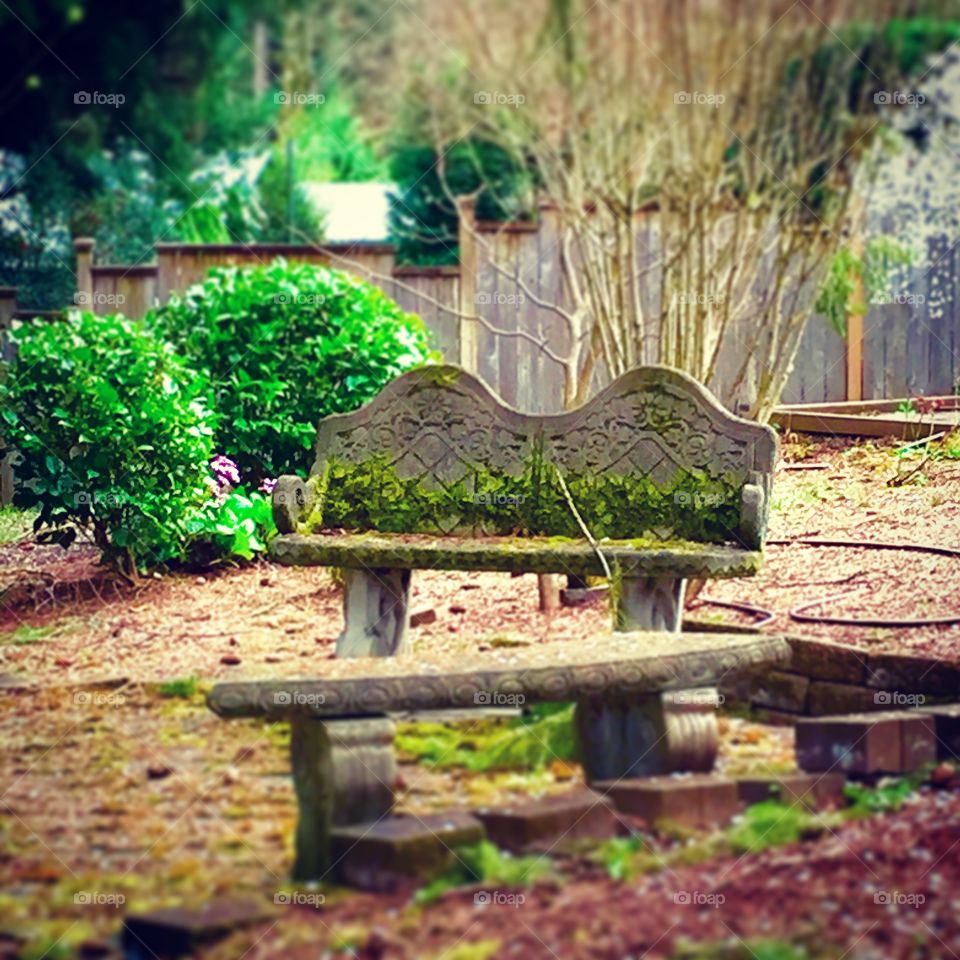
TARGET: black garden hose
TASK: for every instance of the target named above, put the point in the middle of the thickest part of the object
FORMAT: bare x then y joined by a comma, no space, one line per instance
798,612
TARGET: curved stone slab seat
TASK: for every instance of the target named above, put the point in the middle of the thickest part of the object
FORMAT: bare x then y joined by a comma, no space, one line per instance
617,666
515,554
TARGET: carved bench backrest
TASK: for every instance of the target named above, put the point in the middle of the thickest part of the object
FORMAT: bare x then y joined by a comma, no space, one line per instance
654,455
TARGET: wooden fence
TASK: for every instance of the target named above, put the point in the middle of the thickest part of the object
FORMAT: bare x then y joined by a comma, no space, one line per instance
896,349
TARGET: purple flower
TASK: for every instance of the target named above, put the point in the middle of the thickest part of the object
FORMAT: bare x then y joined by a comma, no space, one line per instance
225,470
268,485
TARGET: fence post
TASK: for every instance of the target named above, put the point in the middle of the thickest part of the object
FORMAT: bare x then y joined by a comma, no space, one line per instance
83,250
468,283
8,306
855,326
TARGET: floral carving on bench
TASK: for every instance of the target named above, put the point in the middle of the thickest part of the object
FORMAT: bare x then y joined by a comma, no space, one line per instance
652,455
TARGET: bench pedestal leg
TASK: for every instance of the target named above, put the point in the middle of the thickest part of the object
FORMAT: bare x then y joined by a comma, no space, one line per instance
343,773
364,769
312,760
376,612
657,733
650,603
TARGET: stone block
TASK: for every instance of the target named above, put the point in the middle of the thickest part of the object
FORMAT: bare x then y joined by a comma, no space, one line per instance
400,850
177,931
913,675
778,690
865,744
827,698
809,789
946,719
702,801
541,824
822,660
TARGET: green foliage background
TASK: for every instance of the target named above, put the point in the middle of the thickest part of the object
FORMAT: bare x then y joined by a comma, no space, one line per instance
283,346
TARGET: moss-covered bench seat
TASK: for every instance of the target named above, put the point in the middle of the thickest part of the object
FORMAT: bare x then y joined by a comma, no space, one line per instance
659,686
437,473
404,551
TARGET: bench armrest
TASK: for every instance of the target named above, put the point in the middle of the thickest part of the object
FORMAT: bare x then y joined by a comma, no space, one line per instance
292,500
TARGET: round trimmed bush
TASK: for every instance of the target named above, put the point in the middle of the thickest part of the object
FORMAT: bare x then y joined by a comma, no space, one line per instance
285,345
113,437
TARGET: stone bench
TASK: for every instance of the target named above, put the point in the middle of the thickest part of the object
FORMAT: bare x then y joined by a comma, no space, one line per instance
645,705
651,482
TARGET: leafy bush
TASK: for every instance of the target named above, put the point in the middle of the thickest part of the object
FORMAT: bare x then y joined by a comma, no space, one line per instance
771,824
232,523
423,218
112,434
285,345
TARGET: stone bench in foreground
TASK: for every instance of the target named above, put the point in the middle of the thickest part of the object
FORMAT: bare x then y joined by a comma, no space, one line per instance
645,705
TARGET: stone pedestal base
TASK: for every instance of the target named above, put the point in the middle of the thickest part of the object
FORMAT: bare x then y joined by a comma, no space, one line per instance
343,773
656,734
376,612
659,733
649,603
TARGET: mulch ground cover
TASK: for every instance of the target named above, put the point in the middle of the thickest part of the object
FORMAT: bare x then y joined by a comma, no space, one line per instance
113,785
878,889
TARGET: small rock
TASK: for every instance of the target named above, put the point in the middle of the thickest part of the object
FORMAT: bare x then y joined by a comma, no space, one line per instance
422,617
159,771
266,582
456,608
484,647
63,662
452,628
26,546
470,586
232,641
230,660
177,931
230,775
292,629
199,580
942,774
272,659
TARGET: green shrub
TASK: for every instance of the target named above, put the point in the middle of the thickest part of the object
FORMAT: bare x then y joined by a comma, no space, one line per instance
113,437
285,345
234,525
771,824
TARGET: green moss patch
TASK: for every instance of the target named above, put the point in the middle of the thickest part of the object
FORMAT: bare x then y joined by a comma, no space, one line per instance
372,496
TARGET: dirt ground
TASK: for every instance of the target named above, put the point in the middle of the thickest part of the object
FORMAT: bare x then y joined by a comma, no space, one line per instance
65,622
114,785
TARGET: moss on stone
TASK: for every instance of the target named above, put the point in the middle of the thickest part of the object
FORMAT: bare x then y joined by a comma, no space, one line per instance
372,496
637,557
